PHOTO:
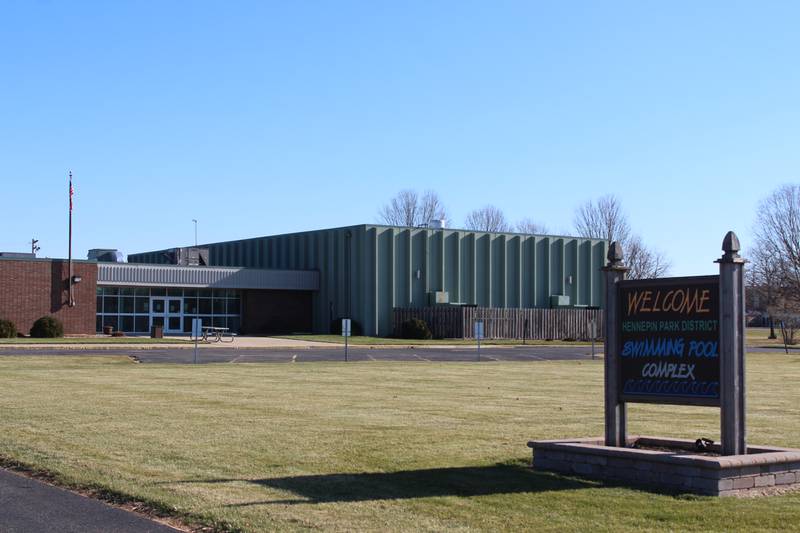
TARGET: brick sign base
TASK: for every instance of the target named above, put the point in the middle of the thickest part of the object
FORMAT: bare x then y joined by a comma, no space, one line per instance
762,469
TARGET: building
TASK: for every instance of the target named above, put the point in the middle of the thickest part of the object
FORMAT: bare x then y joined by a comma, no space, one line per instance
367,270
305,282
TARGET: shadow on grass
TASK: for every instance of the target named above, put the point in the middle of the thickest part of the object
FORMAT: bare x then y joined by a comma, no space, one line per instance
455,481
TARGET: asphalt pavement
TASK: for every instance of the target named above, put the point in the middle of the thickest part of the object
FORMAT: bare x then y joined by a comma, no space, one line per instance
332,353
31,506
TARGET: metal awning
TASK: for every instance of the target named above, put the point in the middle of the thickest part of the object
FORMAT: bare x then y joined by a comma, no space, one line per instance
144,275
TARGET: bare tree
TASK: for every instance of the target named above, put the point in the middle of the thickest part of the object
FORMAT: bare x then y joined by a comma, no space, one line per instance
605,219
527,225
408,208
487,218
643,262
778,232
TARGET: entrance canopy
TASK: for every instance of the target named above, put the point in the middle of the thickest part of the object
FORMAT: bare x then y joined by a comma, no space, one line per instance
144,275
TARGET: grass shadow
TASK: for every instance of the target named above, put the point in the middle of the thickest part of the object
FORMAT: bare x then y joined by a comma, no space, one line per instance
405,484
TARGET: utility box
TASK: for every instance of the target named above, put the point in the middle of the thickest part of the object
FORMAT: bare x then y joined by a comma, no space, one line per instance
559,300
438,298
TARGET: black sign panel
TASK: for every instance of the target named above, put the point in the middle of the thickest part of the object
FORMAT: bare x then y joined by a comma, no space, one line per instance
669,340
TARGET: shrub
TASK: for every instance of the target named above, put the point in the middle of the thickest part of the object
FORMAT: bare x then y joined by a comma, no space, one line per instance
415,328
47,327
7,329
355,328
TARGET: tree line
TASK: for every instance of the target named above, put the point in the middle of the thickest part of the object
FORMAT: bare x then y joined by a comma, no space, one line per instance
603,218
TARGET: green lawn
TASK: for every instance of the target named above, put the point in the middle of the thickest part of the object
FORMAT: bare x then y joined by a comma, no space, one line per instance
367,446
338,339
93,340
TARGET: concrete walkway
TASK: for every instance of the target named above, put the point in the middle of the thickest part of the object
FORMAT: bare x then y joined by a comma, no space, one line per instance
31,506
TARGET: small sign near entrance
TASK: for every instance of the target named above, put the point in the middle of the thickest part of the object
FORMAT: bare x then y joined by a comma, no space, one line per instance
669,333
346,331
479,329
197,327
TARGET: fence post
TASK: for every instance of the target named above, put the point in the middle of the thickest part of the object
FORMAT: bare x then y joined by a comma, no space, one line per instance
731,335
616,430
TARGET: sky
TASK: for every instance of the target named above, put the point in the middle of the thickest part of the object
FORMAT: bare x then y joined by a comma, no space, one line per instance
259,118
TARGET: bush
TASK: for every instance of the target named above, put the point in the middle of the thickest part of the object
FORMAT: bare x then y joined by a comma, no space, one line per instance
7,329
415,328
47,327
355,328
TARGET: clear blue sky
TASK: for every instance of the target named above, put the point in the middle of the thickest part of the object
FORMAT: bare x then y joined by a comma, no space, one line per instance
270,117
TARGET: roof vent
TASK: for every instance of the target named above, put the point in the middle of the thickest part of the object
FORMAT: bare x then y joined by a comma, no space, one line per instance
437,224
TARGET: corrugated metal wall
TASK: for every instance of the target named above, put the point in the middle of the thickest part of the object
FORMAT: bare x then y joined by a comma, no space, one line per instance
484,269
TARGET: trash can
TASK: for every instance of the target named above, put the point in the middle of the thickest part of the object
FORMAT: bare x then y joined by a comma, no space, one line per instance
157,332
108,330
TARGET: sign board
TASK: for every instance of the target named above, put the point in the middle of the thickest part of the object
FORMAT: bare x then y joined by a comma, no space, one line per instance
478,329
197,327
346,327
669,340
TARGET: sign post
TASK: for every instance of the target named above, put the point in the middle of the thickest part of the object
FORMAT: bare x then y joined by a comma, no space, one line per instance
731,338
345,333
197,326
615,415
479,335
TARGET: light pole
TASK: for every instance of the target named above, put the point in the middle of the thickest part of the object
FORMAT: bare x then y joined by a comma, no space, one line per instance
195,232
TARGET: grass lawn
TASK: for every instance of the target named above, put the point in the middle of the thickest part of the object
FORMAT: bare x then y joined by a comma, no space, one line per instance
92,340
338,339
367,446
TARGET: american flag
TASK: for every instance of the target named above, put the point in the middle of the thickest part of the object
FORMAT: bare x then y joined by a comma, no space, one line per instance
71,191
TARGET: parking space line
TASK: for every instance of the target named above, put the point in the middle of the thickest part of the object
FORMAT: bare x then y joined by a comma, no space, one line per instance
421,358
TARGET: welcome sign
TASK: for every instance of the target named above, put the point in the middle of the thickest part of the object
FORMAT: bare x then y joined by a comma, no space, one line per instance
669,340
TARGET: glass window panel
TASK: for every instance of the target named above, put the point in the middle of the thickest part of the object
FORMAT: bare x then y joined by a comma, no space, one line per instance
190,306
126,304
205,306
126,291
99,324
175,323
142,324
206,321
219,306
99,304
190,293
110,291
174,306
142,291
110,320
187,324
126,324
158,320
99,290
219,321
233,323
158,306
142,305
205,293
158,291
174,292
110,304
233,307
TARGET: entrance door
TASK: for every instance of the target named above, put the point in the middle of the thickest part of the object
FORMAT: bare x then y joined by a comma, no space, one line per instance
167,312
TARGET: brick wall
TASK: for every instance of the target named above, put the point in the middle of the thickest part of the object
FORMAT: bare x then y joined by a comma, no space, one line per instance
30,289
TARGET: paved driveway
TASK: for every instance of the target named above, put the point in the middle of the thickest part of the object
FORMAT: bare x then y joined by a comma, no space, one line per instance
327,353
31,506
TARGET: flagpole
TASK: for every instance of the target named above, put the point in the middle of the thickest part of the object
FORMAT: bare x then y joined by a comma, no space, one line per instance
71,296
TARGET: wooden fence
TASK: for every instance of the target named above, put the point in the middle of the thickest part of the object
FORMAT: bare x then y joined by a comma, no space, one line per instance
538,324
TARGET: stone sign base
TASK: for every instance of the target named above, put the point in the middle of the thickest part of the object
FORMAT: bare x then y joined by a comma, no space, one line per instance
672,465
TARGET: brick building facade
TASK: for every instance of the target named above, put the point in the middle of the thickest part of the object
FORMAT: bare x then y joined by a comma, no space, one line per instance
30,289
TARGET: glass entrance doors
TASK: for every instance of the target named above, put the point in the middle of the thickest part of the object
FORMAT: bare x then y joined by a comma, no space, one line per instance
167,312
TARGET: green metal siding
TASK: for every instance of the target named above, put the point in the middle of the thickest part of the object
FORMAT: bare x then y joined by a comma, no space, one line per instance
485,269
